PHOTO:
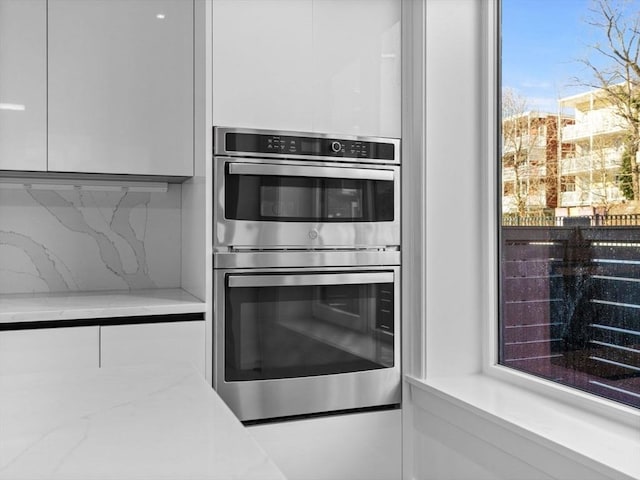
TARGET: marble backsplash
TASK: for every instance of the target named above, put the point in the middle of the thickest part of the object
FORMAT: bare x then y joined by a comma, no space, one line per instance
79,240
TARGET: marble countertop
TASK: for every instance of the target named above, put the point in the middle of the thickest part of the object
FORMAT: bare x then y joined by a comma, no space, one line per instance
147,422
85,305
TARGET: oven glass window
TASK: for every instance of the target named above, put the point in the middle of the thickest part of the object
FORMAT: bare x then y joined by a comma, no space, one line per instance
300,331
308,199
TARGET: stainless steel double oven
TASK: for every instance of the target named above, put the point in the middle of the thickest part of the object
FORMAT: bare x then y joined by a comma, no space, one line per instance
306,272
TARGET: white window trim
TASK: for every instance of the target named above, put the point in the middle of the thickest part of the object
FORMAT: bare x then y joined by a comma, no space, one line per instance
536,395
580,399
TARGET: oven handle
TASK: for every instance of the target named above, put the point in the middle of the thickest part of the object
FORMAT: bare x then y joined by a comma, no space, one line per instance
294,280
309,171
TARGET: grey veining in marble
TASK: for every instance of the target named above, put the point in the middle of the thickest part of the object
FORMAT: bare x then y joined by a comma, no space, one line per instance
148,422
41,258
79,240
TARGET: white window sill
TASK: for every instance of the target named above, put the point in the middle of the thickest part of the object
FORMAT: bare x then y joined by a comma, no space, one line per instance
599,443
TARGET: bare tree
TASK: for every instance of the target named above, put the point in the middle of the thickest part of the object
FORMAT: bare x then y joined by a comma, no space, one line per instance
601,181
523,162
615,68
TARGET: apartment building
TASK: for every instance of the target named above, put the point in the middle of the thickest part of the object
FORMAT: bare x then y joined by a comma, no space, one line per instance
530,152
589,170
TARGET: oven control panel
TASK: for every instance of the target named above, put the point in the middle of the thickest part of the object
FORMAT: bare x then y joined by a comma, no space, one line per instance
306,145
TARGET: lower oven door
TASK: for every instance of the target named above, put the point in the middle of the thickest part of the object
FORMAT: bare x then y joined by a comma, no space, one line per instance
291,343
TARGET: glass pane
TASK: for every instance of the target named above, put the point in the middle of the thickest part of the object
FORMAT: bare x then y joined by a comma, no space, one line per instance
300,331
308,199
570,202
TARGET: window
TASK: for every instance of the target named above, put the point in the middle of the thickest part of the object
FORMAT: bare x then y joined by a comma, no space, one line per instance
508,189
568,183
570,270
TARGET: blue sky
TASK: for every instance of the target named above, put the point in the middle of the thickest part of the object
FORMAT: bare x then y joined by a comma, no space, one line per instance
542,41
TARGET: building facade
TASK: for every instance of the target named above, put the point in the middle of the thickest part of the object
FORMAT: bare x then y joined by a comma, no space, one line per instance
531,148
590,168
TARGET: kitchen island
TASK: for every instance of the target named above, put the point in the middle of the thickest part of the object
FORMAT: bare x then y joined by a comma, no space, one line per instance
145,422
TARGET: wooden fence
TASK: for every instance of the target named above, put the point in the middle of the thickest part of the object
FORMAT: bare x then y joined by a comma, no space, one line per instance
570,306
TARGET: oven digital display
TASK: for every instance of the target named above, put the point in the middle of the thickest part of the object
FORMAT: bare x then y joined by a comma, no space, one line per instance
311,147
308,146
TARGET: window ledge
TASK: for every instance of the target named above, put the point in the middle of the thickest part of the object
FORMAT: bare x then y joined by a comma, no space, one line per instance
599,443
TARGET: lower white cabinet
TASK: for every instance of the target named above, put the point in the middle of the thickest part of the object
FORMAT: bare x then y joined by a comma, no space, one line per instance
35,350
358,446
49,349
170,342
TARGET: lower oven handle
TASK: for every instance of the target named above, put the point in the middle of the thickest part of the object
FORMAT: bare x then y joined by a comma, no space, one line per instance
294,280
309,171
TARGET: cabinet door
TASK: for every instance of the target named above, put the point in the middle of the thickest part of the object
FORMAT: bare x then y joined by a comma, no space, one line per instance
170,342
121,86
48,349
262,60
357,71
23,85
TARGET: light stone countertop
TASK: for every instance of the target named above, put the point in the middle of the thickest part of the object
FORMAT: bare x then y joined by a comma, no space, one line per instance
131,423
89,305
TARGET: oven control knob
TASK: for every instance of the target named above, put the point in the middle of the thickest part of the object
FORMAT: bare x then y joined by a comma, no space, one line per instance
313,234
336,146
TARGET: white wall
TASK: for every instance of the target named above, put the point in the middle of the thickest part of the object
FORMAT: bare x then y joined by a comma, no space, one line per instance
453,190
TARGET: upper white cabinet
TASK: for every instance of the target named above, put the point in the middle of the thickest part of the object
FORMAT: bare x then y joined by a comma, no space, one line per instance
356,69
121,86
318,65
262,64
23,85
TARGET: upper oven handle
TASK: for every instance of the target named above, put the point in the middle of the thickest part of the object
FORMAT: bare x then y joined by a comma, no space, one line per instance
309,171
294,280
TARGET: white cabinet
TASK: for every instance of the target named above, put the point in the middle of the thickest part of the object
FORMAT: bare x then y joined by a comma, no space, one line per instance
48,349
262,64
309,65
60,348
170,342
120,90
356,70
359,446
23,85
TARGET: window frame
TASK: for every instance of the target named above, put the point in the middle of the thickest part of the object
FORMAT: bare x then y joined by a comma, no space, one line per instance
491,135
533,420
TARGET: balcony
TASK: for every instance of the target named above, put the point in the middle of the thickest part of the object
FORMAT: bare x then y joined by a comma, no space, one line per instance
526,172
593,162
594,124
596,196
532,201
572,199
525,142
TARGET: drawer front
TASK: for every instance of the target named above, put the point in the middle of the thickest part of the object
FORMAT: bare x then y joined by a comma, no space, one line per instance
48,349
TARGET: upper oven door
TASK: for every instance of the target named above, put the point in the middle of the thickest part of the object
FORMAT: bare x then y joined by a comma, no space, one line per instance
280,204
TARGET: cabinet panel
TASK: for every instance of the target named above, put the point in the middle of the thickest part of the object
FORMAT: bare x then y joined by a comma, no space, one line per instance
23,89
121,86
174,342
357,71
262,63
315,65
48,349
360,446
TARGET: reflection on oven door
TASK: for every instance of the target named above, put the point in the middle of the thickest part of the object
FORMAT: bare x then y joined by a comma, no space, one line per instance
293,331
